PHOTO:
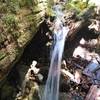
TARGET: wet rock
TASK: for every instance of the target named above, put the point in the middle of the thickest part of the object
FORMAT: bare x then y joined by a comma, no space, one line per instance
62,95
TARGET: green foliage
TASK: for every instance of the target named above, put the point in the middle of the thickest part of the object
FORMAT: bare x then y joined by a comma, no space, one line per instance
78,5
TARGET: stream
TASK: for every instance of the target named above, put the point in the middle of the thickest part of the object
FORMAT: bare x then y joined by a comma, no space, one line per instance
51,91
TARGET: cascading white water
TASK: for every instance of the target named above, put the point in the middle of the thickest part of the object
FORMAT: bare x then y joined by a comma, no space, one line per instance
51,91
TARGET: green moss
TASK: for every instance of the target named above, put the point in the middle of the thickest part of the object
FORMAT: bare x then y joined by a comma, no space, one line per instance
28,3
50,2
13,5
2,37
2,55
3,8
30,17
49,9
10,20
50,12
16,34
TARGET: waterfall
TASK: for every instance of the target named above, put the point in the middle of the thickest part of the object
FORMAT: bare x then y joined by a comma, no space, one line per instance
51,91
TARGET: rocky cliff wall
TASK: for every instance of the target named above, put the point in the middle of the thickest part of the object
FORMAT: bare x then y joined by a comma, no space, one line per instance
19,21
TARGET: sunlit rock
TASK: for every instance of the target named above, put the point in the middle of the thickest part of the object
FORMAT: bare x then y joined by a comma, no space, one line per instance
94,93
33,67
96,2
95,25
82,41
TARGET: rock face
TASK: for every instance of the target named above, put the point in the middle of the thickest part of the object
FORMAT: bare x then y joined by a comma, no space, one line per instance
19,21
